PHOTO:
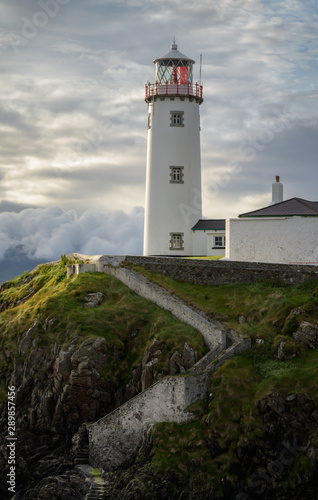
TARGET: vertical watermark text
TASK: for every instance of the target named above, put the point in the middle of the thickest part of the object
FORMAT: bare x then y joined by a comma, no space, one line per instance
11,441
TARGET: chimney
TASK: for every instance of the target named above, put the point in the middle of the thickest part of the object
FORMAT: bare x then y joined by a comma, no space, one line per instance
277,191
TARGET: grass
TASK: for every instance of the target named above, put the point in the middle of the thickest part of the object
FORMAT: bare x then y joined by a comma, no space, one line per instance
216,257
228,420
265,307
230,416
128,322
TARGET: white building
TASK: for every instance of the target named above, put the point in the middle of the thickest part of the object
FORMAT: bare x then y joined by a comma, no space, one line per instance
209,237
173,182
285,232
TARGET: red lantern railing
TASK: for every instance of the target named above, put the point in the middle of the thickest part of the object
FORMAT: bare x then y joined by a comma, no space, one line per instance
186,89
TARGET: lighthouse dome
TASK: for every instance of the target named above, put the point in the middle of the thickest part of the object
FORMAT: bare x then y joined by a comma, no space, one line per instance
174,53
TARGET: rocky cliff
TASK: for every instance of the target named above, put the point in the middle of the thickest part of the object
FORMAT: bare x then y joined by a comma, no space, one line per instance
74,352
76,349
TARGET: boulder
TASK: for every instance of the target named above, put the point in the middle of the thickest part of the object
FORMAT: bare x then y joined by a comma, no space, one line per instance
148,373
147,376
181,362
94,299
242,320
189,356
307,333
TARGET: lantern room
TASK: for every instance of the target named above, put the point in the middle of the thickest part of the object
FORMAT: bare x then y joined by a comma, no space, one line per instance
174,67
174,76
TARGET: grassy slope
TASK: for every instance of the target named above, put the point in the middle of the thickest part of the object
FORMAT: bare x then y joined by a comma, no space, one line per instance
127,322
230,414
130,323
265,306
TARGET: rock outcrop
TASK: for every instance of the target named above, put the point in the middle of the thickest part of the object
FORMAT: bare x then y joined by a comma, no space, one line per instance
94,299
308,334
262,467
58,388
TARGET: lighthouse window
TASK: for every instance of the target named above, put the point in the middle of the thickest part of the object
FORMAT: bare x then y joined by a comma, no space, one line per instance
176,118
176,175
176,241
149,120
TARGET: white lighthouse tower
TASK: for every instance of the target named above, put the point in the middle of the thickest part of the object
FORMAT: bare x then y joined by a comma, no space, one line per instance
173,183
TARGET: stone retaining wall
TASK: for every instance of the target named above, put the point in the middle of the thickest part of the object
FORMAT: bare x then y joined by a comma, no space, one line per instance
115,439
213,332
218,272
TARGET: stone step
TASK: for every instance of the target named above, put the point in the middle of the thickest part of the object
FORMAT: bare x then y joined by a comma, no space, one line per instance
81,461
82,456
96,492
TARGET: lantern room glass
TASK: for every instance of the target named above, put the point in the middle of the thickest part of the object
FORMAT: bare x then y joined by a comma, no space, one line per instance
174,71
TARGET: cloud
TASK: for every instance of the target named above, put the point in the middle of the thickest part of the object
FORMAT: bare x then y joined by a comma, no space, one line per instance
87,66
45,234
9,206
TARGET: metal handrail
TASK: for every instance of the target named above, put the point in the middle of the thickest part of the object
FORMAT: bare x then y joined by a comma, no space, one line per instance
194,90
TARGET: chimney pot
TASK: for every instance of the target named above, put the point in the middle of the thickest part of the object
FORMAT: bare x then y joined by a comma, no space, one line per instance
277,191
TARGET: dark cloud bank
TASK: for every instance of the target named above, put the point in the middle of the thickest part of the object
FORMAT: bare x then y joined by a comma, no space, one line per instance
36,235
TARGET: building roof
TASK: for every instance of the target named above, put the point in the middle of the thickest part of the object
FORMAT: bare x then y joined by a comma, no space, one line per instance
289,208
209,224
174,54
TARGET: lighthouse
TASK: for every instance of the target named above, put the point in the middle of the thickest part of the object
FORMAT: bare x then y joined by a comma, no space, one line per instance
173,180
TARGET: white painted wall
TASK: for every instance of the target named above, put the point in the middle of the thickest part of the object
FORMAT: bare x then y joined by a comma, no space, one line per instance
278,240
203,243
199,243
210,251
114,439
172,208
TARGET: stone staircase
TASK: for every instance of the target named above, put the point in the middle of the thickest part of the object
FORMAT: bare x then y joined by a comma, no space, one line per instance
115,438
82,457
97,490
97,486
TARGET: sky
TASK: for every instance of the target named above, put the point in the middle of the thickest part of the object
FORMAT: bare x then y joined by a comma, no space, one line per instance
73,118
